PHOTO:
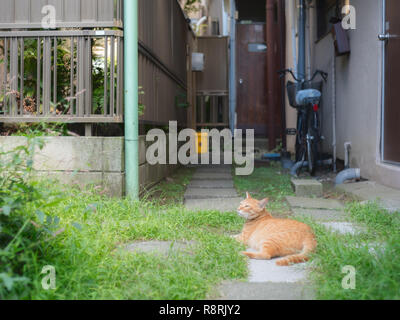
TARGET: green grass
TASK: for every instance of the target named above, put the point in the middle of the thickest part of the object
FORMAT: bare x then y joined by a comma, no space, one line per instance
267,182
90,263
171,190
377,272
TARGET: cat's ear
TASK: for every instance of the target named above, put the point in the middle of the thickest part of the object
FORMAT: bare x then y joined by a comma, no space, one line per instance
263,203
248,196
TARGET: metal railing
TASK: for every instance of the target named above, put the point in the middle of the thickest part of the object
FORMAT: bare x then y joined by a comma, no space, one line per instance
62,76
76,76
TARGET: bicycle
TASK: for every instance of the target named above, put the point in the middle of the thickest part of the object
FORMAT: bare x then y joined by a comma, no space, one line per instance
305,97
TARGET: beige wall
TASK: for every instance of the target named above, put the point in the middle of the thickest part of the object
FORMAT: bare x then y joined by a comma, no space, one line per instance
358,92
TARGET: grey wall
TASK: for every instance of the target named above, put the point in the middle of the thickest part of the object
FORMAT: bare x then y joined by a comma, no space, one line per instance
358,88
90,160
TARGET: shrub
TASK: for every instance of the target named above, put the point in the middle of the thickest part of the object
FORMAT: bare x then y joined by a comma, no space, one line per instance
22,221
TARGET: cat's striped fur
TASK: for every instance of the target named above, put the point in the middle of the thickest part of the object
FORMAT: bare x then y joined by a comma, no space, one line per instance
272,237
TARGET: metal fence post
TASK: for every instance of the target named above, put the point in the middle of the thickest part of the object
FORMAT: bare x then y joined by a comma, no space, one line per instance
131,98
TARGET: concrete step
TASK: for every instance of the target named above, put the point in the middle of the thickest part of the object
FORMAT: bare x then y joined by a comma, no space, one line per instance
205,184
222,204
314,203
210,193
210,166
307,187
267,271
214,170
265,291
212,176
388,198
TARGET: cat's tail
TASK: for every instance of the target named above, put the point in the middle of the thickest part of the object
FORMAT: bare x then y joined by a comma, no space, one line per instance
308,247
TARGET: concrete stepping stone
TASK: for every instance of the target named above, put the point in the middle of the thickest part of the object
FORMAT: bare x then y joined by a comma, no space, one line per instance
370,190
212,176
160,247
314,203
342,227
307,187
321,215
222,205
220,184
215,170
388,198
374,248
210,193
265,291
262,271
211,166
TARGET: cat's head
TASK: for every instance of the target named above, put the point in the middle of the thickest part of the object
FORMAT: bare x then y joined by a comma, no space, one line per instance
251,209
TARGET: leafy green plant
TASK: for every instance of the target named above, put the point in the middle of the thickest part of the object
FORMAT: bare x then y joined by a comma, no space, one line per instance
190,6
41,129
23,222
142,107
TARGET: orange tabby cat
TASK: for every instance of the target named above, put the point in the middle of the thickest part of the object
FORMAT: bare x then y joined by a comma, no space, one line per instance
274,237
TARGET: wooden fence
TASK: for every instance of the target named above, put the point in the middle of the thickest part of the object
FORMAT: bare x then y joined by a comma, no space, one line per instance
63,76
27,14
77,75
165,41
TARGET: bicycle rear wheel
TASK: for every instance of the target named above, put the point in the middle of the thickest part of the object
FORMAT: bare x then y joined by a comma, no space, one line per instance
312,148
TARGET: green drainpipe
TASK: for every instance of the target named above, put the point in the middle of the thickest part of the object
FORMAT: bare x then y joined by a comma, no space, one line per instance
131,99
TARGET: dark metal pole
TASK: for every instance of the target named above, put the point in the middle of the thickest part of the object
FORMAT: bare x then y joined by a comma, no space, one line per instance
282,38
271,40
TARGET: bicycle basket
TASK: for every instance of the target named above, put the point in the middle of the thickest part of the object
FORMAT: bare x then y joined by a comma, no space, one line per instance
293,88
291,92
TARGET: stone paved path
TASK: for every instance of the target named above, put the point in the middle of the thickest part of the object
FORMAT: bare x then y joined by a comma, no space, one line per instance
212,189
388,198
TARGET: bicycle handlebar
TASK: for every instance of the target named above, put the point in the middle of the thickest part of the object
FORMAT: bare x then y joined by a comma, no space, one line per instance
323,74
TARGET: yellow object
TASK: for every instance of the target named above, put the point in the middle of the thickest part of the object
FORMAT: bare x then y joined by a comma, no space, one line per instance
201,143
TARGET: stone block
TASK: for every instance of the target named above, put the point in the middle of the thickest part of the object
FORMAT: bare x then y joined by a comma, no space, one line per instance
307,187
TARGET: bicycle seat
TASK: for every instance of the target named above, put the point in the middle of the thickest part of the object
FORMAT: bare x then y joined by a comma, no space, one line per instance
304,97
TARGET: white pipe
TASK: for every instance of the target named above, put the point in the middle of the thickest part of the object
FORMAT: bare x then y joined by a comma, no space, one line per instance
293,12
347,147
302,164
198,23
348,174
308,26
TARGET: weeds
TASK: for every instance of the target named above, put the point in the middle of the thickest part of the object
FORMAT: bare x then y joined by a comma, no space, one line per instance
83,236
22,219
375,255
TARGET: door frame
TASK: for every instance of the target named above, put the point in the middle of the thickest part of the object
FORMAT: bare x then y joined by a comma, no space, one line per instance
238,78
383,93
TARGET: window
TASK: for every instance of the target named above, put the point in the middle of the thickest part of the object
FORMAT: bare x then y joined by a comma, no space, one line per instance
215,28
326,10
251,10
